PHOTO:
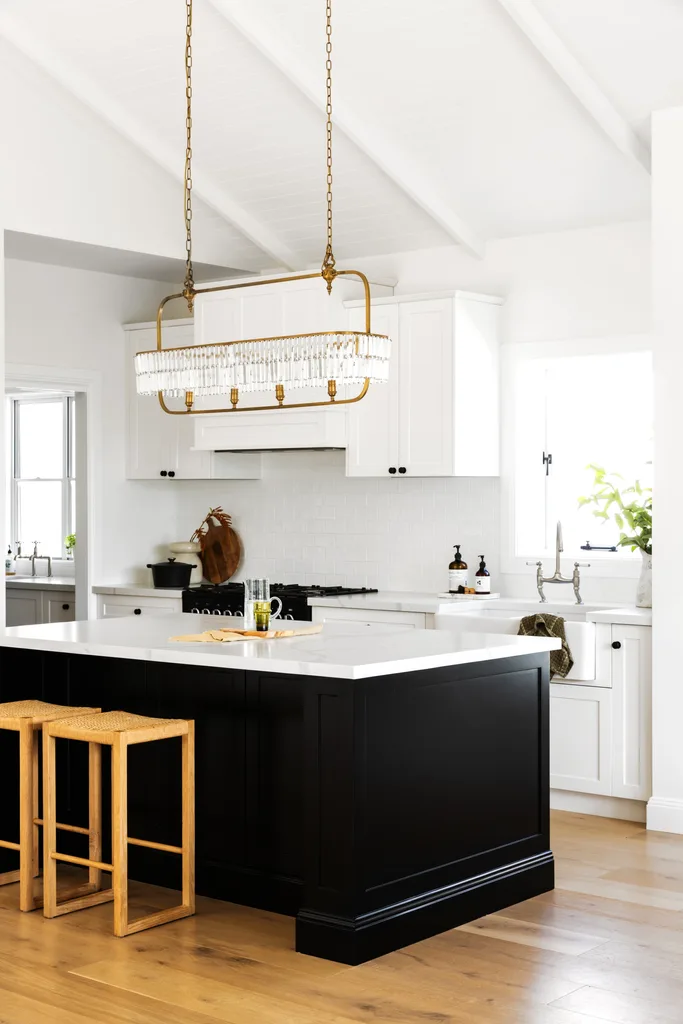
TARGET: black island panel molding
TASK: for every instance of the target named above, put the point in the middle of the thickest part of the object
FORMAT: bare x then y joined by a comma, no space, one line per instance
378,812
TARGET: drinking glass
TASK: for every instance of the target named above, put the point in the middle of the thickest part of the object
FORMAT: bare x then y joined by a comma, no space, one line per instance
255,591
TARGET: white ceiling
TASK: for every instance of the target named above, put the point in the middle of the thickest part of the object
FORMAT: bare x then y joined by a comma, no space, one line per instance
455,126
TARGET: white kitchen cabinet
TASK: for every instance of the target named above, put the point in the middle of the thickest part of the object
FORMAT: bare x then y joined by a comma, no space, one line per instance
162,446
59,606
370,616
632,711
30,606
581,738
439,413
115,606
24,607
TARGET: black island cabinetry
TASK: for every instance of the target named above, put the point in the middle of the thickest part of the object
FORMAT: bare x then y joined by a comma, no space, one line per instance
377,811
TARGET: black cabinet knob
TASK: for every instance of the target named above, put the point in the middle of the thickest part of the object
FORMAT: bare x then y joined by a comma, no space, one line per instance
402,469
137,611
616,645
171,472
392,469
65,607
163,473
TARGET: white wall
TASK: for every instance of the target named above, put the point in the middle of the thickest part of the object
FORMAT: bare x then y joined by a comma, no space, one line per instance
305,522
60,317
665,809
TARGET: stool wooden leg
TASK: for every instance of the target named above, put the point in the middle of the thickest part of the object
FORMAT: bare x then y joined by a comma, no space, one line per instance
37,739
26,830
188,820
49,826
95,812
119,842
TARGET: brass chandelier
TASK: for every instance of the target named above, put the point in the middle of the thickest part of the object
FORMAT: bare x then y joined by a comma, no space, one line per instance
326,358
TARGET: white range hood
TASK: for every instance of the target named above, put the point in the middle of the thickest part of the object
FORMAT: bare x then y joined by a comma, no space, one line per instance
317,428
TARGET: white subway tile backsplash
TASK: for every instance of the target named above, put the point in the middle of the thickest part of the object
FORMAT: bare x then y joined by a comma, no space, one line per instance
305,522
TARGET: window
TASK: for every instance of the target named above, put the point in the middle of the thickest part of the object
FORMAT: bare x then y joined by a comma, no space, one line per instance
42,472
572,411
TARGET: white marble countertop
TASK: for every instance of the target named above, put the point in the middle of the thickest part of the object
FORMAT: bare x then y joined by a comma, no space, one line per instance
344,650
406,601
40,582
135,590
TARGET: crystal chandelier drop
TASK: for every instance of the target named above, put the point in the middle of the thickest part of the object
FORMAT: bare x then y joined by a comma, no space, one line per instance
329,359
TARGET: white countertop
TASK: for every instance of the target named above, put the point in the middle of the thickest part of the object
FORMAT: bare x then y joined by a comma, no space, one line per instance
135,590
407,601
40,582
344,650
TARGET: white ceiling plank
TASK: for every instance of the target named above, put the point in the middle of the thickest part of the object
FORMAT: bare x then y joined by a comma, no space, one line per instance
392,163
589,94
88,93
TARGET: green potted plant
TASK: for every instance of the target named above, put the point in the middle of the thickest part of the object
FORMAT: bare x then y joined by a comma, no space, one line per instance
631,509
70,544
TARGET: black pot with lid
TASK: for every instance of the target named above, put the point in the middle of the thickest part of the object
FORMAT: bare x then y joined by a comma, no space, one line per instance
171,575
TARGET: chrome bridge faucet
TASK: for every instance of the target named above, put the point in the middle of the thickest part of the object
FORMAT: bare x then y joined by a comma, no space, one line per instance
557,577
35,557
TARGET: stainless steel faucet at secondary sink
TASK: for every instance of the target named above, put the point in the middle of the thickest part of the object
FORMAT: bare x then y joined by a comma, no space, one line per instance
557,577
35,557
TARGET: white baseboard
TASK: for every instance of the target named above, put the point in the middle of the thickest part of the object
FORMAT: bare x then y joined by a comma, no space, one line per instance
665,814
602,806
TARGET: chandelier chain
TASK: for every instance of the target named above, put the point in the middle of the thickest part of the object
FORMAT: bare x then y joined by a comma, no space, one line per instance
188,287
328,266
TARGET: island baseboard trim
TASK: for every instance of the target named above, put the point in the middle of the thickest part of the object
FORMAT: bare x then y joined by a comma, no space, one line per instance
356,940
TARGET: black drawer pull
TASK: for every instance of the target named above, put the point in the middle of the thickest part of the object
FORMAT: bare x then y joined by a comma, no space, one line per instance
171,472
65,607
392,469
163,473
402,469
137,611
616,645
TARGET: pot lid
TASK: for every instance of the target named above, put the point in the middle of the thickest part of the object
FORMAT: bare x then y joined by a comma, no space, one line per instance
169,561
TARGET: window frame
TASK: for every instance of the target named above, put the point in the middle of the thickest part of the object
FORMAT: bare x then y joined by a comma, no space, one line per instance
610,565
68,466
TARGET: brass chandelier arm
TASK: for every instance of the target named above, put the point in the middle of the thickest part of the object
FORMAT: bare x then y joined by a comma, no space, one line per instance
265,408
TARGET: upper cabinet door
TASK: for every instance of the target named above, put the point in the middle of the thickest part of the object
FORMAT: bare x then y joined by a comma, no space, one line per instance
373,422
152,434
426,392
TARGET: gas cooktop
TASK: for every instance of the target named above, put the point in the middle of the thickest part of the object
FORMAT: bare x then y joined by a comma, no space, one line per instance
228,598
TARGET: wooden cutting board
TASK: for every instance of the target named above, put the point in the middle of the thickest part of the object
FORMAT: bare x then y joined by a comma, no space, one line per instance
221,546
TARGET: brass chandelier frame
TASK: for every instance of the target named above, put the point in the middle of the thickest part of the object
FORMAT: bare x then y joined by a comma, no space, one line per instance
328,271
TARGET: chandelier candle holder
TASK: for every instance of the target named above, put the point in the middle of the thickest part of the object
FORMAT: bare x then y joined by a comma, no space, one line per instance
331,359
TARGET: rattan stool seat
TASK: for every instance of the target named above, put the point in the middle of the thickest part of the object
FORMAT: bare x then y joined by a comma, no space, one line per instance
103,727
38,711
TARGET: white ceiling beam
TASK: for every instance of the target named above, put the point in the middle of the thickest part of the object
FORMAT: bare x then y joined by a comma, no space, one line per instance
394,164
584,88
165,157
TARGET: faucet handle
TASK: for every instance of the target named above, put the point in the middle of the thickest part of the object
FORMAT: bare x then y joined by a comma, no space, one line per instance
534,563
582,565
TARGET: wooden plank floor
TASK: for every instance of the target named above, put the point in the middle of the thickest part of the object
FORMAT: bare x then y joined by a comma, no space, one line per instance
606,945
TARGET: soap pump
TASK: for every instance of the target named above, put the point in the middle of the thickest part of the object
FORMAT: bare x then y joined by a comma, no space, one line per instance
482,580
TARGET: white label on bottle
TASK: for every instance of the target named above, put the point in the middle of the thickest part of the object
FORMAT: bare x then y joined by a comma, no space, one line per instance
482,584
457,578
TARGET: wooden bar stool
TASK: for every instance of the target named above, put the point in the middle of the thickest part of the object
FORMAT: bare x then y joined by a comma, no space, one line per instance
27,717
118,730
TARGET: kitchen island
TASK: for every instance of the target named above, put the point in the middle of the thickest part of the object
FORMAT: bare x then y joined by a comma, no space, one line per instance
378,783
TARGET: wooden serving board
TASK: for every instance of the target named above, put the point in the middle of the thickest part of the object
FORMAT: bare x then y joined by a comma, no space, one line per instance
221,546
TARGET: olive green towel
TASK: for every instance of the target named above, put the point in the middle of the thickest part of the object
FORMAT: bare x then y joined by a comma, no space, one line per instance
543,624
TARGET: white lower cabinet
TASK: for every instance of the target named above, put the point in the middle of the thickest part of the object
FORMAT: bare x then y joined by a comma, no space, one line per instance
116,606
632,712
32,606
581,738
600,736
